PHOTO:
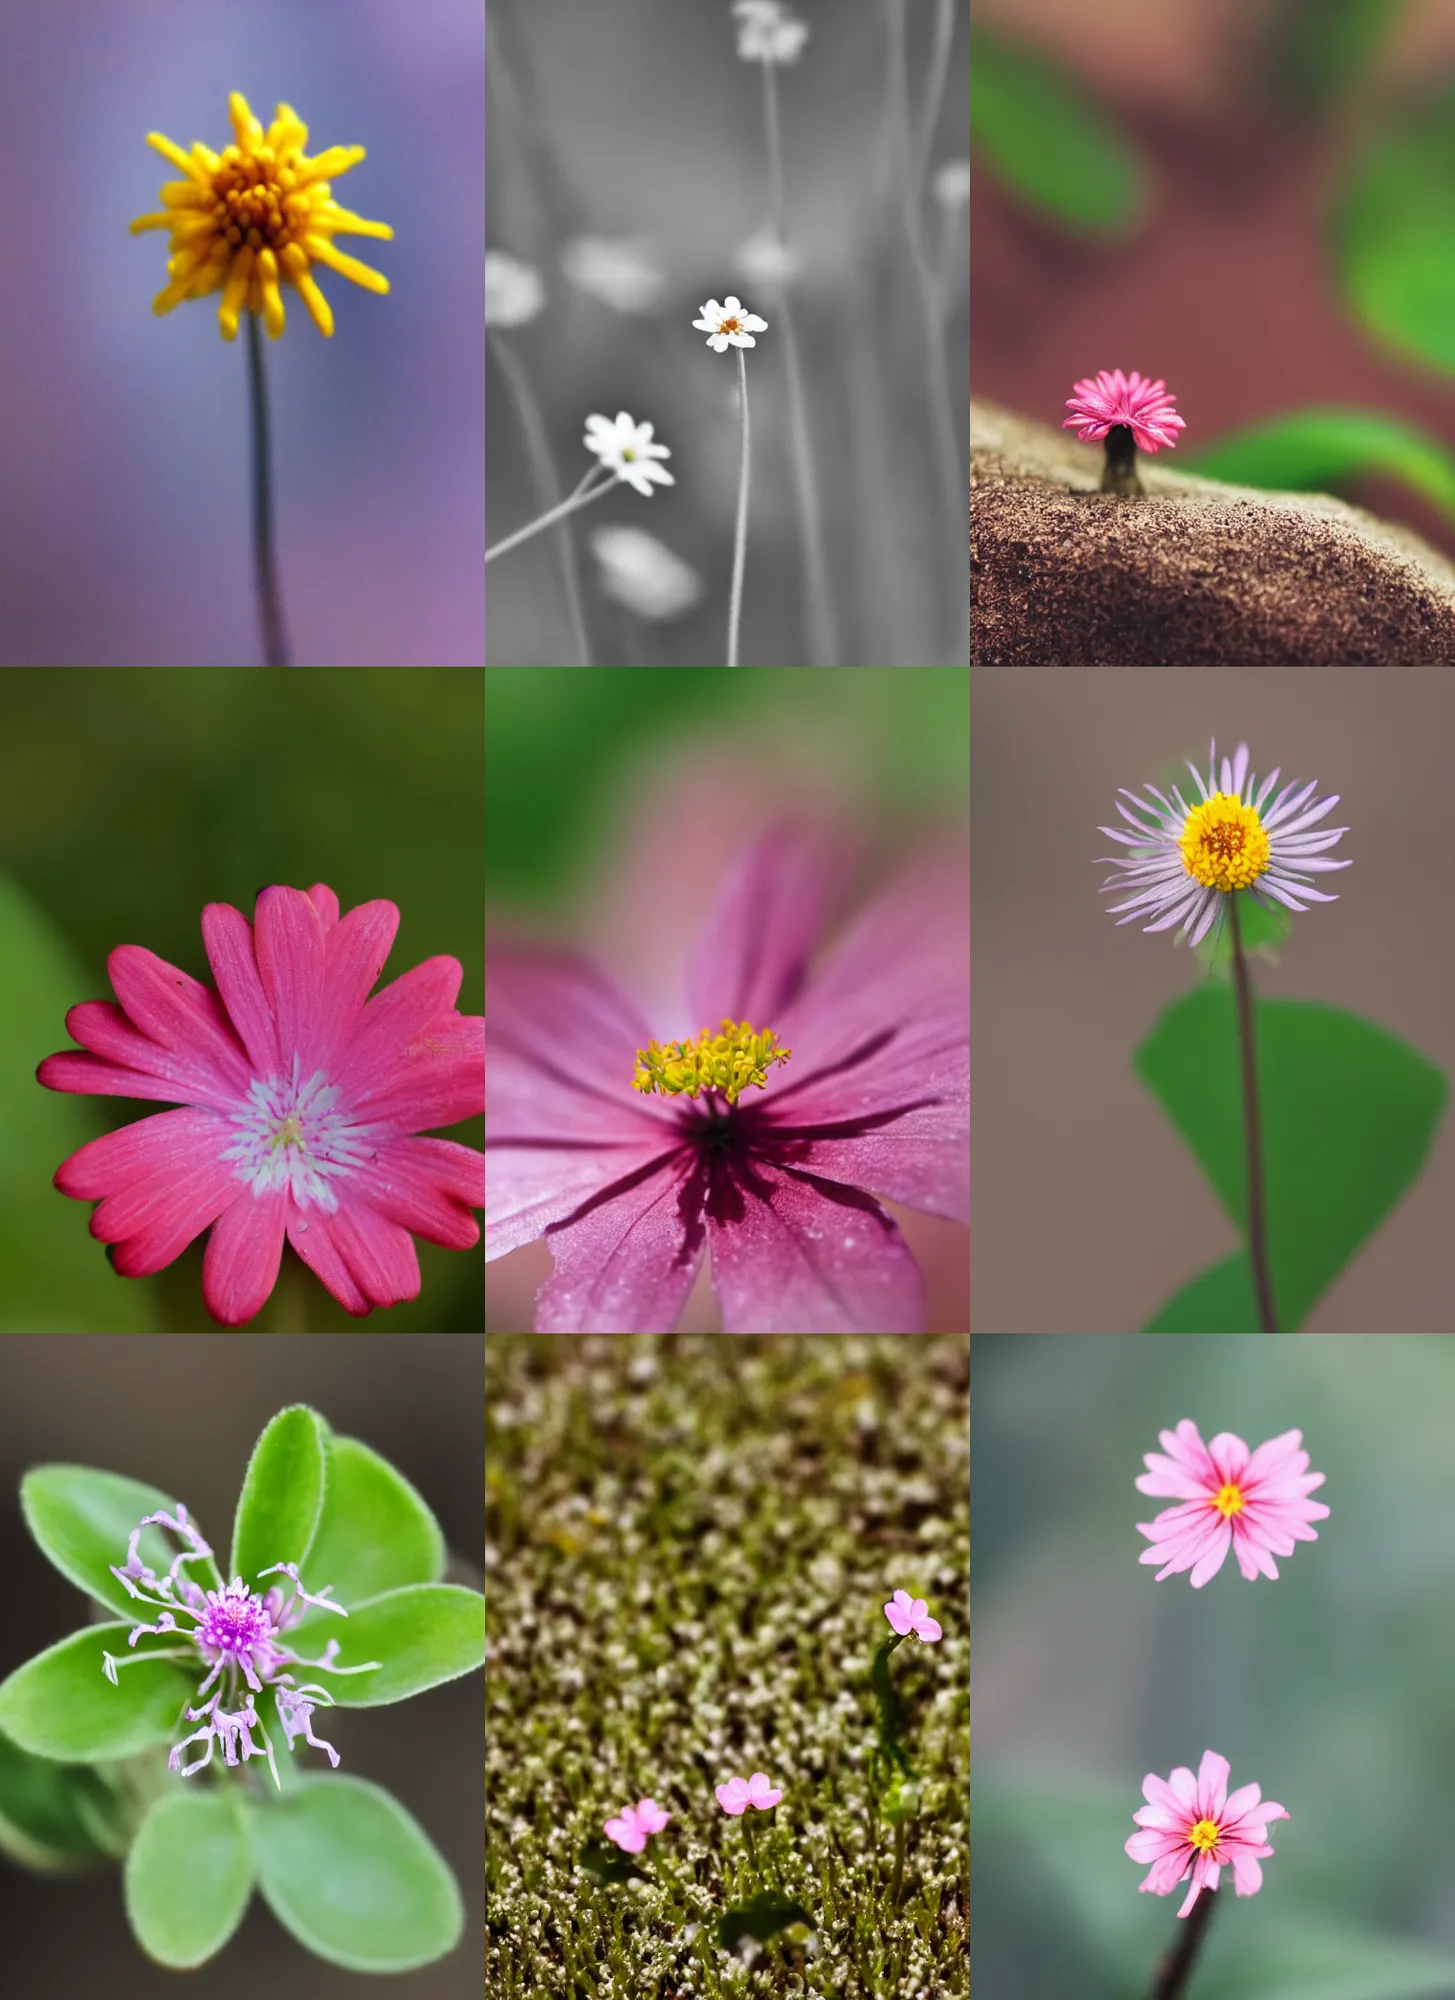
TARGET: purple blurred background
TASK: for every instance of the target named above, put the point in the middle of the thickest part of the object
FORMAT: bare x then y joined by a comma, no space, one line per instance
123,437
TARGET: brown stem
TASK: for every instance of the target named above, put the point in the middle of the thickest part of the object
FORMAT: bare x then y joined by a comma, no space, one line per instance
1175,1968
1257,1220
1119,475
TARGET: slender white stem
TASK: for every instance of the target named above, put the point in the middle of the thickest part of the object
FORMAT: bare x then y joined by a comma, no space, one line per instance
538,446
740,533
823,638
580,498
934,88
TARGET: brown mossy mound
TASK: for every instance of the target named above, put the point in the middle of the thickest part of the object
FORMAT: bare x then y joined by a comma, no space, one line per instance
1197,573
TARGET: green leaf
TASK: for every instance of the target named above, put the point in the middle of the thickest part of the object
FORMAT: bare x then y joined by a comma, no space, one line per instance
1323,49
61,1705
761,1917
421,1635
354,1877
1395,230
1050,143
375,1532
891,1709
1262,931
1318,450
82,1520
52,1816
1348,1114
282,1494
608,1866
56,1276
1218,1300
189,1877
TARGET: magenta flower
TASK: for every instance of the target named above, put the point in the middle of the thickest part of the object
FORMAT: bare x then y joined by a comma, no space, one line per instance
301,1097
1254,1503
1110,398
238,1635
738,1794
1190,1824
911,1614
631,1827
635,1158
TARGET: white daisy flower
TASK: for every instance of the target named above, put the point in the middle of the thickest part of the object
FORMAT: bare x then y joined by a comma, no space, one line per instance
643,574
622,271
952,183
626,449
768,31
729,325
1187,860
513,291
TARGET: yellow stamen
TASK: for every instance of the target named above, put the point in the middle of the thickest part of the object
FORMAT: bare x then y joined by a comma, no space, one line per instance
1229,1501
728,1062
1204,1836
289,1133
1223,843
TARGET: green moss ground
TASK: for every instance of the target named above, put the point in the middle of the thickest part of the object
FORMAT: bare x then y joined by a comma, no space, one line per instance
689,1543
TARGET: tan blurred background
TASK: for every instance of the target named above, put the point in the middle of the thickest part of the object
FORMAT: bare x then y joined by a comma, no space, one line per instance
1087,1209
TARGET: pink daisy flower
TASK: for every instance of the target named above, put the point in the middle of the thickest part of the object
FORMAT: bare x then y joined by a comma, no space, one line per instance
738,1794
632,1825
1109,398
911,1614
1255,1503
634,1158
301,1099
1190,1825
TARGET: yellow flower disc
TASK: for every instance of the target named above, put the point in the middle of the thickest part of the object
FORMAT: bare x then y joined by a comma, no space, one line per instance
1229,1501
1204,1836
728,1062
1223,843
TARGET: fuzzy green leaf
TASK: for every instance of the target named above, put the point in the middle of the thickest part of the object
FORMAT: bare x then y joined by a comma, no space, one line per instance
53,1817
375,1532
61,1705
355,1878
1348,1114
1051,143
282,1494
189,1877
82,1520
421,1635
1320,450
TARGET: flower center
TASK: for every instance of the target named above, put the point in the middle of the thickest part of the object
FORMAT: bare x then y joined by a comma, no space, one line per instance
1229,1500
728,1062
234,1622
732,325
627,453
1223,843
292,1134
1204,1835
255,199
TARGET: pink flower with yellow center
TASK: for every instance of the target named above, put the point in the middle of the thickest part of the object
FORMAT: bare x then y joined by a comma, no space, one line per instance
1255,1503
1191,1826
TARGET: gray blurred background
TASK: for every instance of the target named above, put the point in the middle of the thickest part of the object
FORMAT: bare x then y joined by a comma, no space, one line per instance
1330,1687
635,118
124,468
184,1412
1088,1209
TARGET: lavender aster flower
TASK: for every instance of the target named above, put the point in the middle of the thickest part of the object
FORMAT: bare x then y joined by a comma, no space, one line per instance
237,1634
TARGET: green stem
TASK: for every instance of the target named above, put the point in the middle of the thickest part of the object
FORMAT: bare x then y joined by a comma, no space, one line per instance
1252,1133
1175,1969
740,532
580,498
898,1864
747,1823
543,470
290,1295
265,563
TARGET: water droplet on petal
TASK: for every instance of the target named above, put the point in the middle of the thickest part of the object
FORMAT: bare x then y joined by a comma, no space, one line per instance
302,1226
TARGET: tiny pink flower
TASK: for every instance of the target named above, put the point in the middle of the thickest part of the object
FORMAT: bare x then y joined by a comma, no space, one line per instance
1254,1503
1190,1825
911,1614
630,1828
1143,406
738,1794
301,1098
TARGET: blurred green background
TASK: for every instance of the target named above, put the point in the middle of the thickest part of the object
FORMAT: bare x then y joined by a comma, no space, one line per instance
128,800
1331,1688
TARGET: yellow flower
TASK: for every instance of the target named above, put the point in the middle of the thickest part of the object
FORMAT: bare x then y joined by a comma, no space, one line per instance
257,217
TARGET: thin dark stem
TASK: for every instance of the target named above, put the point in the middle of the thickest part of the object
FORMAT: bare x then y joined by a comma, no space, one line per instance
1119,474
265,562
1176,1968
1257,1220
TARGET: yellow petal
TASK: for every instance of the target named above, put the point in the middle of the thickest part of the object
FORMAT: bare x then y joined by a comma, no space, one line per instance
323,252
183,162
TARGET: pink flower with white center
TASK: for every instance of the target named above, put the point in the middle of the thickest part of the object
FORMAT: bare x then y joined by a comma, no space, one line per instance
911,1614
1255,1503
1190,1825
634,1158
1144,407
238,1635
302,1097
739,1793
632,1825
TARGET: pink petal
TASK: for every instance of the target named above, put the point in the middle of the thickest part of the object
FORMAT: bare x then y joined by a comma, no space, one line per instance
752,953
928,1630
228,938
104,1165
192,1201
356,952
434,1077
379,1256
625,1262
240,1264
796,1255
1208,1566
428,1186
1212,1785
289,948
